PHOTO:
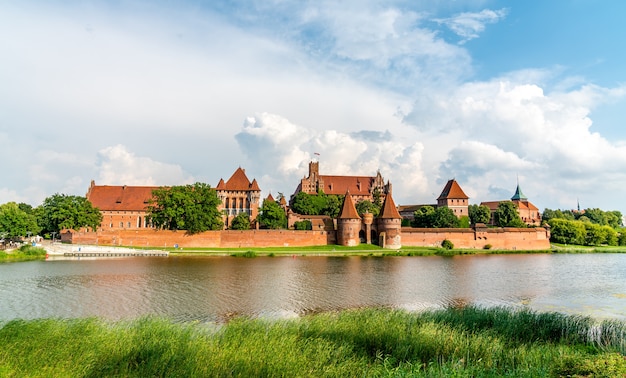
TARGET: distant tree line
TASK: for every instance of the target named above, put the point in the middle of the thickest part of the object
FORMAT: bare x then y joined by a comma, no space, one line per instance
590,227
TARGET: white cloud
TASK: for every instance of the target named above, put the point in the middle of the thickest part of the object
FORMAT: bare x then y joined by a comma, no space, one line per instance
283,150
469,25
514,128
118,166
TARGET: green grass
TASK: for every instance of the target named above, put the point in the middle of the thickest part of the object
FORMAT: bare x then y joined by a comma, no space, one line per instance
374,250
467,342
24,253
568,248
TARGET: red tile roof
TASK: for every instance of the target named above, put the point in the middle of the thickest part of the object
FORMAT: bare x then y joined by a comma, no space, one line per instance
348,210
120,198
339,185
389,210
452,190
238,182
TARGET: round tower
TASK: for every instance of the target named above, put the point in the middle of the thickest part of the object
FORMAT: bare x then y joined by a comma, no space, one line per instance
389,225
348,223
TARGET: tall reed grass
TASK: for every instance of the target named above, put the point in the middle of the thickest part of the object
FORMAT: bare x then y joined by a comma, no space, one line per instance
357,343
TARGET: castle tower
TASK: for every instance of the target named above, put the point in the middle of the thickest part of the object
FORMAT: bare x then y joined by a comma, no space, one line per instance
389,224
348,223
453,197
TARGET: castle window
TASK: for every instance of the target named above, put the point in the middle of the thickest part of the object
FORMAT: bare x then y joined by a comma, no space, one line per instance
121,224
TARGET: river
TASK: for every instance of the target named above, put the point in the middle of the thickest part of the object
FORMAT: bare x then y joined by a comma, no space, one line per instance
215,289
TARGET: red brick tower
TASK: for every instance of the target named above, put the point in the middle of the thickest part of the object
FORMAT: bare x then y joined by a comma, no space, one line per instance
348,223
389,225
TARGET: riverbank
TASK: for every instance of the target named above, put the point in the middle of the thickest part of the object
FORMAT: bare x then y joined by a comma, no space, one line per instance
373,250
367,342
24,253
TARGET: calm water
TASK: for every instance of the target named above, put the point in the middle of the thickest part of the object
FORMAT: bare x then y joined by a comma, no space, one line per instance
218,288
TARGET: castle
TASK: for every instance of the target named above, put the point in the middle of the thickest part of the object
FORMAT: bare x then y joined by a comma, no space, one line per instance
124,210
360,187
125,207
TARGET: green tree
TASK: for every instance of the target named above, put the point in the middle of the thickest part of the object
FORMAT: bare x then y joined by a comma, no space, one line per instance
240,222
306,204
444,217
28,209
15,222
479,214
367,206
506,215
303,225
60,211
193,208
567,231
317,204
595,235
621,239
423,217
611,236
596,216
332,205
272,216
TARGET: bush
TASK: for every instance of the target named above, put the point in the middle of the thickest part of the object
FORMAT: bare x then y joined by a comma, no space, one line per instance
447,244
303,225
487,246
244,254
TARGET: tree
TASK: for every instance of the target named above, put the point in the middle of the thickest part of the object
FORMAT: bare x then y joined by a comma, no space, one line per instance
303,225
479,214
366,206
317,204
240,222
304,203
332,205
193,208
567,231
444,217
272,216
506,215
422,217
15,223
60,211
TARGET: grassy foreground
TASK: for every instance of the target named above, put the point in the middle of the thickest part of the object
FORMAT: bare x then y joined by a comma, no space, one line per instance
369,342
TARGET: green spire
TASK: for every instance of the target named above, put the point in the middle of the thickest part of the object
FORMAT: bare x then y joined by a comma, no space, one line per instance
519,196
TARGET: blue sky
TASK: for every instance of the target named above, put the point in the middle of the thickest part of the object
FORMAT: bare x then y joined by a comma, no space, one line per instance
167,93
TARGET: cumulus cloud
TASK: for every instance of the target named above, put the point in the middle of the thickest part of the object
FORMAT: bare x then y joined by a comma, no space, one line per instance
516,128
118,166
282,149
469,25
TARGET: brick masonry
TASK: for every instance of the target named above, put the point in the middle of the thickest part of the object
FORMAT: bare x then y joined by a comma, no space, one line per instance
498,238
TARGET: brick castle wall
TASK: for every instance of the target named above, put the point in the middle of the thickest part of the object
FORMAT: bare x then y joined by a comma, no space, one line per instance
498,238
209,239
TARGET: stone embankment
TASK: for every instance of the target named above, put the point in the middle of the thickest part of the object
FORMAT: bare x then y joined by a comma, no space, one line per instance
59,249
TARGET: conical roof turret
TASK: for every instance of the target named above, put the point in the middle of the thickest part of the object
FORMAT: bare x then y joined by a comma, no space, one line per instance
389,210
348,210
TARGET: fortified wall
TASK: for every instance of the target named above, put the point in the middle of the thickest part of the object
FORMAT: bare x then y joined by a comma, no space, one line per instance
478,238
208,239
